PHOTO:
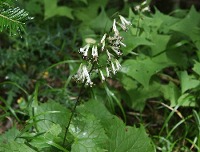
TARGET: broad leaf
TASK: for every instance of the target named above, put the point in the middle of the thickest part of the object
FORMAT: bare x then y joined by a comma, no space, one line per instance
15,147
10,135
127,139
51,10
187,81
196,68
88,133
50,113
142,70
192,19
48,139
101,23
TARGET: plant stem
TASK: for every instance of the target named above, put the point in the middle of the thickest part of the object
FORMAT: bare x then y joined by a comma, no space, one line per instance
72,113
75,105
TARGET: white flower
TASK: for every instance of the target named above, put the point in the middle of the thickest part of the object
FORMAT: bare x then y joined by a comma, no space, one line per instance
113,68
115,28
108,54
124,21
84,50
94,53
146,9
86,76
103,38
137,8
103,42
102,76
122,26
118,65
107,72
124,45
82,75
116,50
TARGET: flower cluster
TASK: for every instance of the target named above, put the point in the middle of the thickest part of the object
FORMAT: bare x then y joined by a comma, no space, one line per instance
110,44
143,7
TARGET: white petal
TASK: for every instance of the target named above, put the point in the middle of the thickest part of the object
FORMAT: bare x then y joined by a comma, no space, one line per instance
103,38
118,65
102,76
107,72
108,54
115,28
124,21
113,68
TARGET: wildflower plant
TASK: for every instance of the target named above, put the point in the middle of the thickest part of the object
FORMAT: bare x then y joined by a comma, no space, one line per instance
108,47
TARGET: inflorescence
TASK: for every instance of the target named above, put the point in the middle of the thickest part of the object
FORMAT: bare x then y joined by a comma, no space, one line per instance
110,44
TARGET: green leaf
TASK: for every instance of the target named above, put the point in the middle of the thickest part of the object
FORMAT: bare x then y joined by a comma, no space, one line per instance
142,70
51,10
133,42
50,113
128,139
160,43
187,99
15,147
48,139
101,22
88,133
171,92
196,67
87,14
121,138
187,81
192,19
10,135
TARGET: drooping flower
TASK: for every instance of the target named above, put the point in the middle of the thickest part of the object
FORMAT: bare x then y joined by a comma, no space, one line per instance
113,68
102,76
94,53
124,21
116,50
103,42
109,55
107,72
118,65
116,32
84,50
82,75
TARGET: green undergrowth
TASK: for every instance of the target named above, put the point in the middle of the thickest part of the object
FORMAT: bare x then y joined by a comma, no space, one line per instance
152,104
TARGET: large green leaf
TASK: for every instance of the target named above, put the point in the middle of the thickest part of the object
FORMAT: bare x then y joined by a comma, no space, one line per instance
127,139
10,135
121,138
48,139
196,68
87,14
15,147
101,23
192,19
133,42
50,113
52,9
142,70
89,135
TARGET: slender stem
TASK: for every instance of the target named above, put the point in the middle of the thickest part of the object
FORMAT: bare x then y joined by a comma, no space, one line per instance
75,105
72,113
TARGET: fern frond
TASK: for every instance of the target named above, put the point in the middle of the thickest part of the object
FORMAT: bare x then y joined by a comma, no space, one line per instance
12,19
